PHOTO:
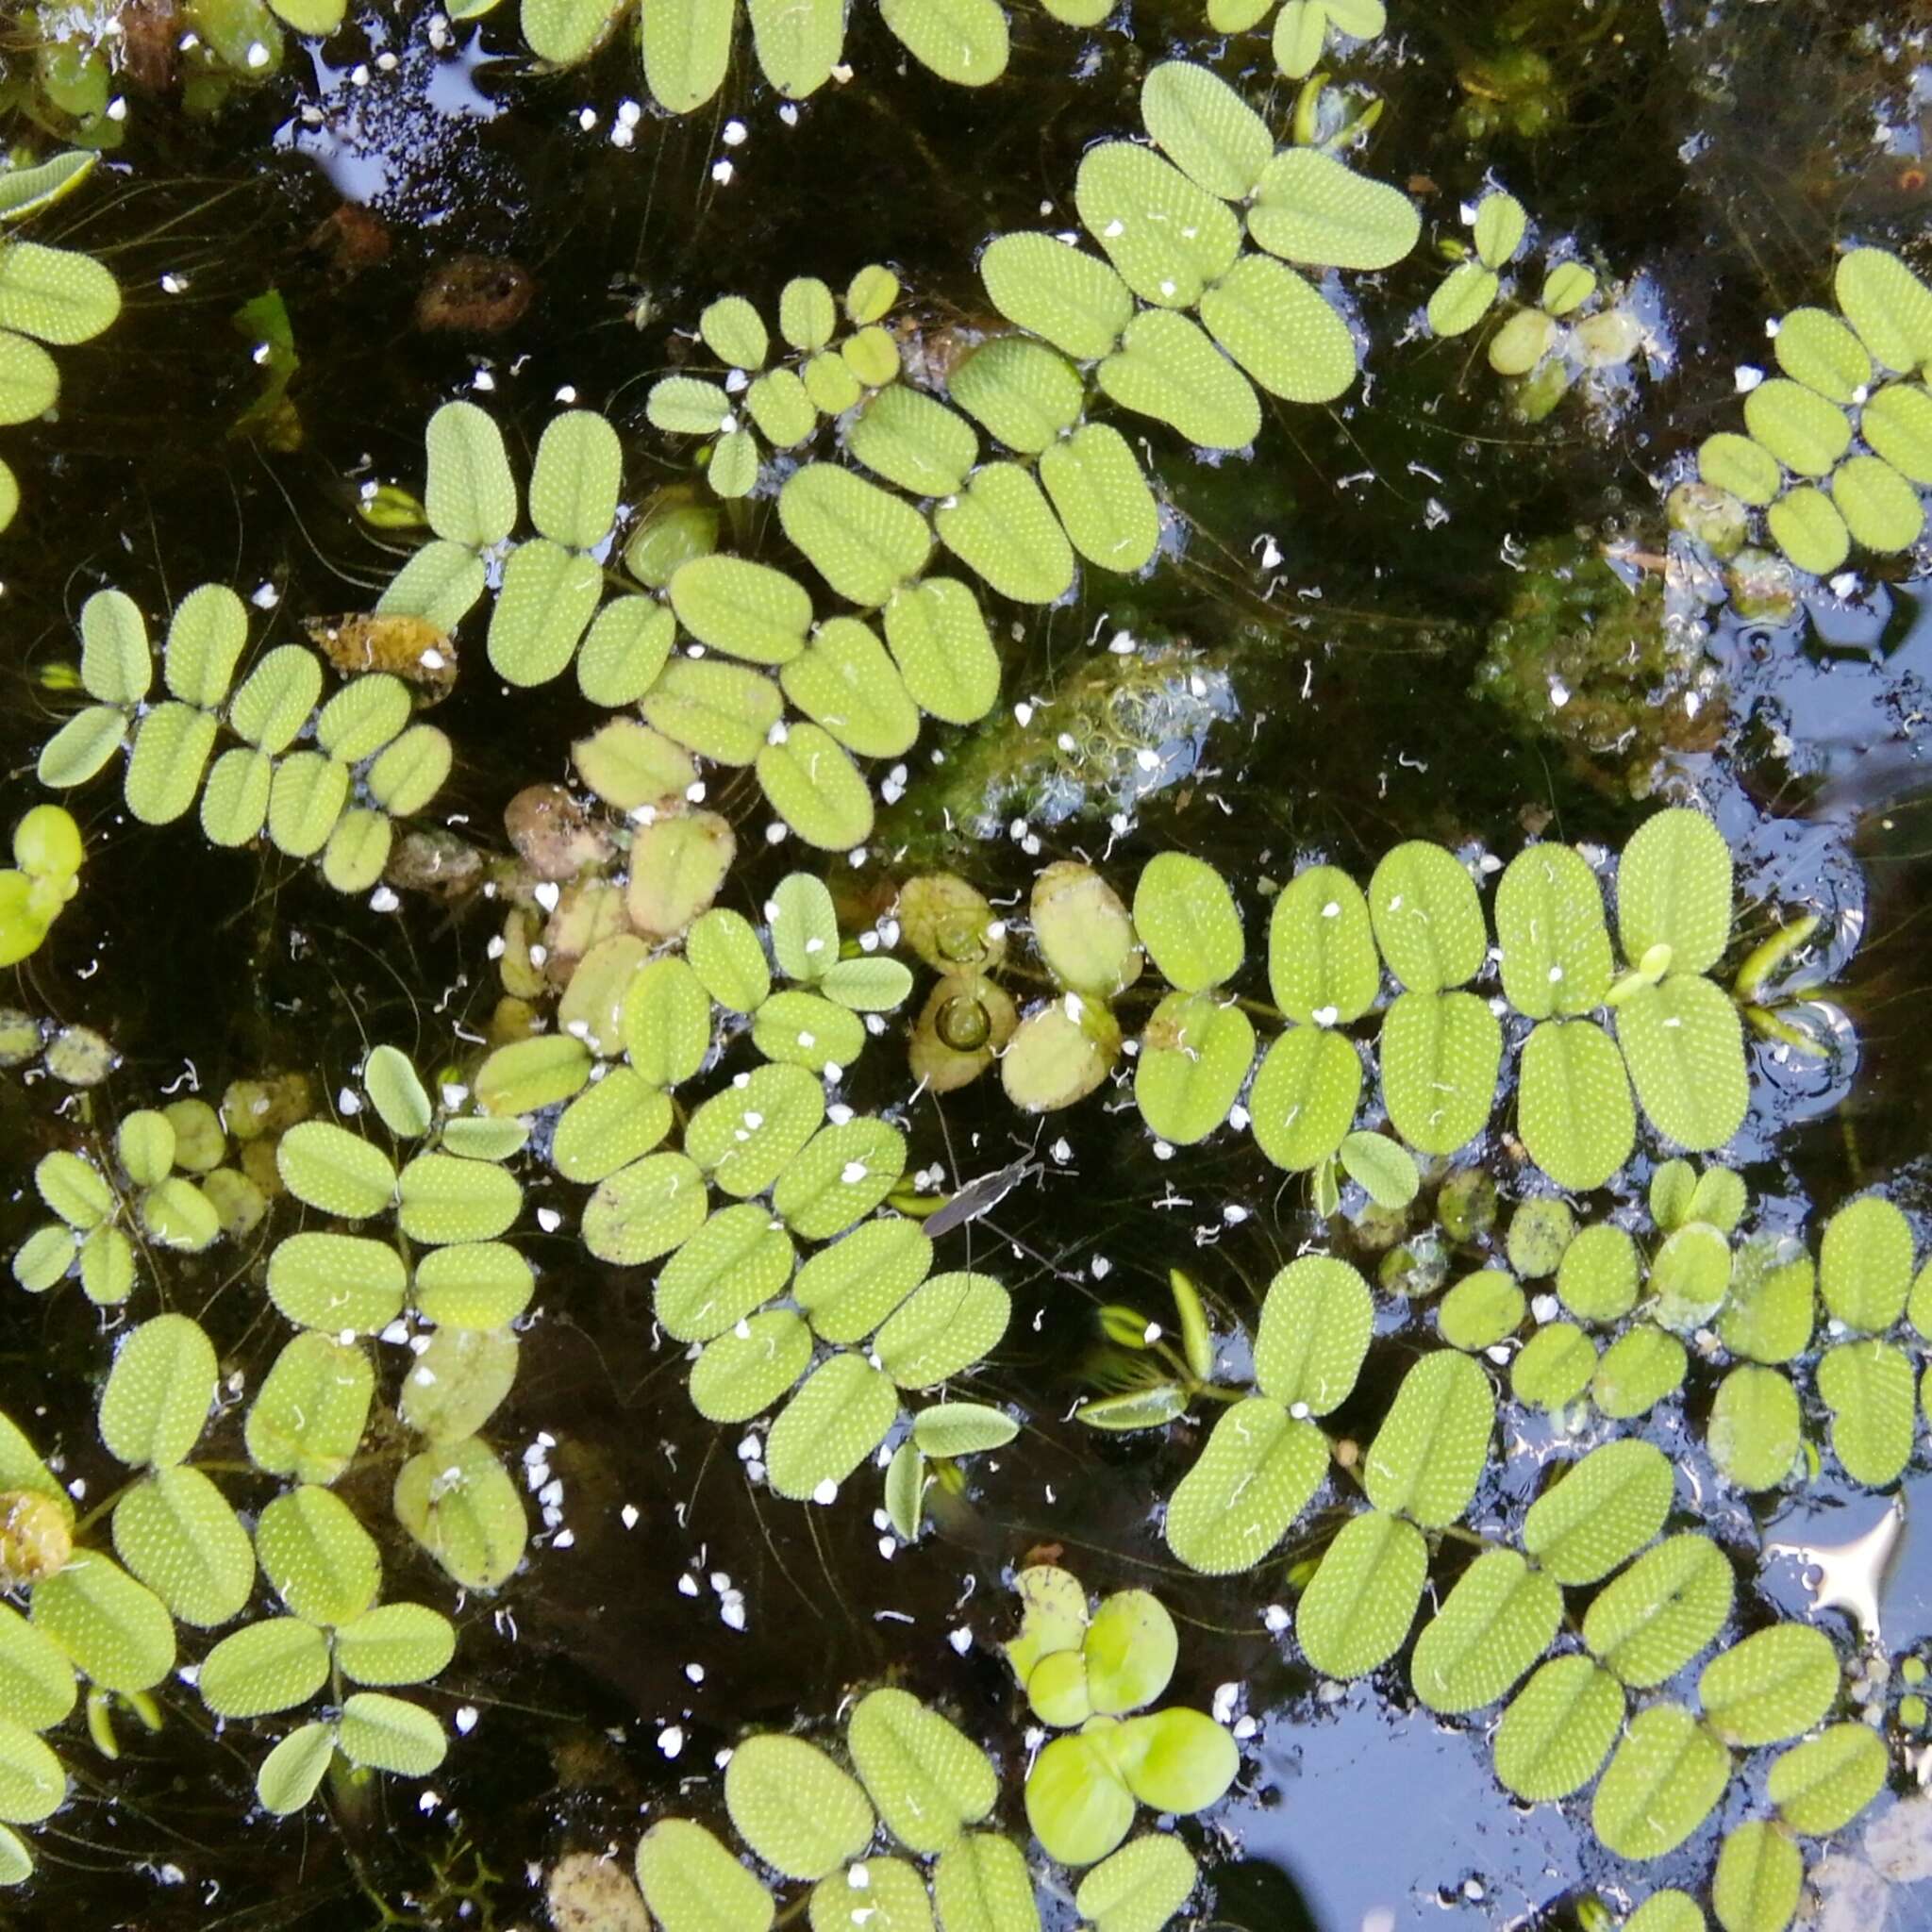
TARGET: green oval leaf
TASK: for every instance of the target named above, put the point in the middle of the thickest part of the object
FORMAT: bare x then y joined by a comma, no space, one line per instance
1308,207
330,1168
1868,1387
308,1417
272,1665
1772,1686
1497,1622
738,1261
1440,1055
1316,1320
158,1392
1604,1509
1684,1045
1062,295
927,1778
1819,1786
1651,1621
1426,917
459,1502
1558,1729
389,1734
945,1327
117,1630
1429,1453
1666,1777
1573,1105
1304,1095
645,1210
1166,367
1357,1610
181,1538
692,1883
318,1558
837,1419
1254,1477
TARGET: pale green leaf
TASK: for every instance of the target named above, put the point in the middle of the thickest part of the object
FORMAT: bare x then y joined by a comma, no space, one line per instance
1888,305
1187,919
1429,1453
1819,1786
1170,238
272,1665
459,1502
332,1169
1056,291
308,1416
1316,1320
1356,1610
1254,1477
1498,1621
471,497
981,1884
1001,528
1666,1777
1649,1622
939,639
737,1262
1774,1685
458,1382
1426,917
913,440
1601,1510
1754,1426
317,1557
961,41
692,1884
442,1197
115,1629
1166,367
1558,1729
1760,1875
291,1773
1865,1264
837,1419
1636,1371
741,1373
927,1778
844,681
1868,1387
390,1734
1021,392
1684,1045
645,1210
848,1288
1322,962
179,1536
1308,207
1440,1055
1304,1097
56,294
945,1327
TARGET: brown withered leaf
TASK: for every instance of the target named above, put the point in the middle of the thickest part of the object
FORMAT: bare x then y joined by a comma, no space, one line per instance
411,648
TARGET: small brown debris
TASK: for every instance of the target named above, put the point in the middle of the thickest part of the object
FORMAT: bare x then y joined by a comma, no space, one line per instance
150,36
475,294
553,834
354,238
411,648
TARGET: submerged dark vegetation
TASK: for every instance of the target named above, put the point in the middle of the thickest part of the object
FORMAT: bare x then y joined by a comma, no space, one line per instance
964,966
